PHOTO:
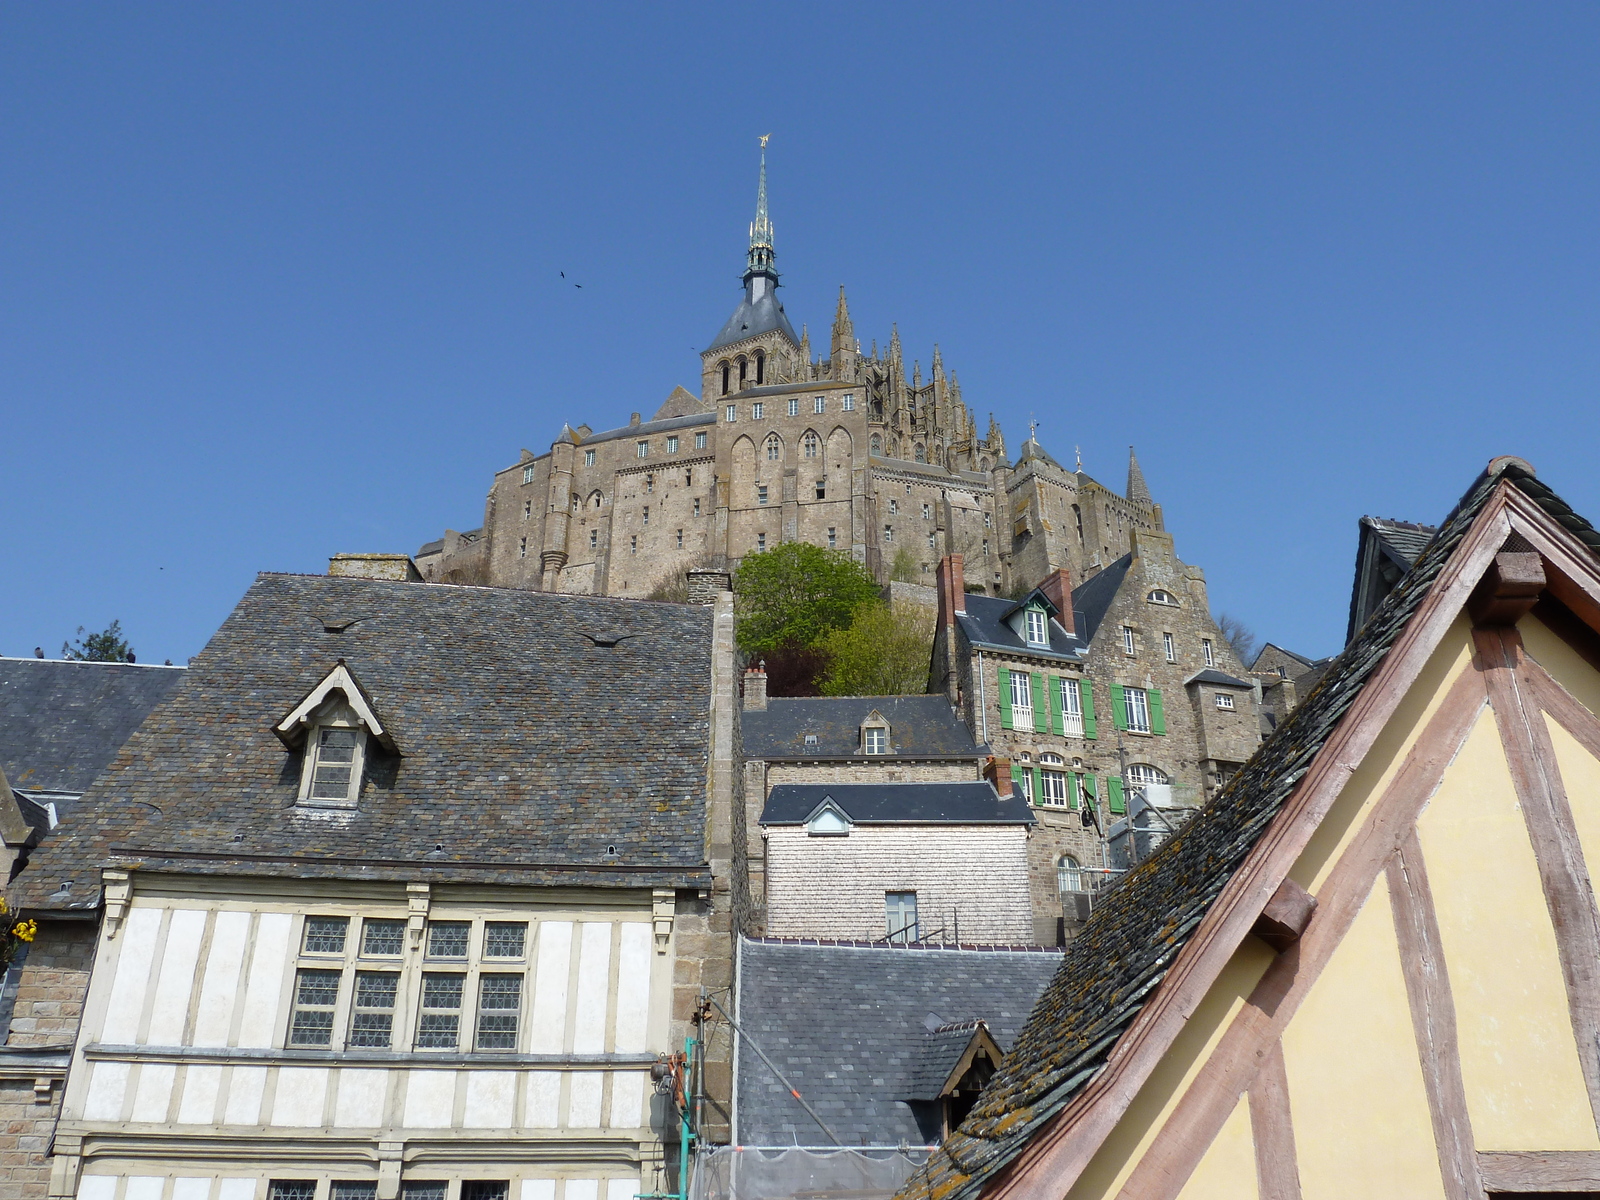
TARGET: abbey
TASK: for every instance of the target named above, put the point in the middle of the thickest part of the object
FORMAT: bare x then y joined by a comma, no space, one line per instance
782,445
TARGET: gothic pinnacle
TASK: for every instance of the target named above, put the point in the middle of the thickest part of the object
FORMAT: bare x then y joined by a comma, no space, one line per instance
762,252
1137,491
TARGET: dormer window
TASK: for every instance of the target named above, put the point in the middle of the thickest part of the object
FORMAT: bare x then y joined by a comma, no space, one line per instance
334,765
875,734
1038,628
336,723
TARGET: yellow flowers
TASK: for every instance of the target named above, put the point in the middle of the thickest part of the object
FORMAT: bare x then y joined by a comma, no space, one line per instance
25,931
4,907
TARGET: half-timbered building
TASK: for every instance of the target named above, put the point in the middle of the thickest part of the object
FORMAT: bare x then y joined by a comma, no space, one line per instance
396,890
1371,966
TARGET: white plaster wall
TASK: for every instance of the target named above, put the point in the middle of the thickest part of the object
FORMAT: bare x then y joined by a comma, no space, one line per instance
833,887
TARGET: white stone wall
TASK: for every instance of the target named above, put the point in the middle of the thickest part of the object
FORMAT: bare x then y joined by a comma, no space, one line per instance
833,887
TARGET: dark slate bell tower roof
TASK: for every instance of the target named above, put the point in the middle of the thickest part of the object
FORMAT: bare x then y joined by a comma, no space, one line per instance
760,311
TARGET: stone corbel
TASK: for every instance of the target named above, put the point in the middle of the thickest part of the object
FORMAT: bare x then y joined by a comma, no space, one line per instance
418,895
65,1159
117,888
663,905
390,1155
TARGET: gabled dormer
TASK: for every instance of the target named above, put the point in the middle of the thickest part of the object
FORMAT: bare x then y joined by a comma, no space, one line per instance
828,820
1030,619
335,723
876,734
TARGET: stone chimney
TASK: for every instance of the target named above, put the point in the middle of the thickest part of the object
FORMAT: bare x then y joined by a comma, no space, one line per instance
755,687
397,567
1058,587
707,583
998,772
952,584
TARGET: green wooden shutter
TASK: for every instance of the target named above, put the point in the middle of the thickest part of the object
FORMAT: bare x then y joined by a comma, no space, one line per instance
1114,787
1038,787
1091,792
1041,714
1119,706
1072,792
1158,717
1086,694
1052,686
1016,779
1004,677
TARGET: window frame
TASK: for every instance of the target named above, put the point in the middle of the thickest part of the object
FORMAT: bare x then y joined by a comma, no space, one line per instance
1071,706
1130,643
642,449
335,715
896,909
1169,647
794,406
1037,627
1131,695
758,411
848,403
588,458
1023,681
1208,651
819,405
699,441
1225,701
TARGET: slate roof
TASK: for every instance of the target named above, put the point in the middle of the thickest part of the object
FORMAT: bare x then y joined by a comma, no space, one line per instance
1403,539
1214,676
509,774
646,428
849,1026
919,727
913,467
898,803
753,319
984,624
1092,598
1130,942
62,722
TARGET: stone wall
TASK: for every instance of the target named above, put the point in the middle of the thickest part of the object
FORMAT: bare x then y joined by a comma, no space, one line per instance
49,1002
833,887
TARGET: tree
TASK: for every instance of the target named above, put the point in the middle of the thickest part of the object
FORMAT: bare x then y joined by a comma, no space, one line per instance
904,567
884,652
1240,636
795,593
107,646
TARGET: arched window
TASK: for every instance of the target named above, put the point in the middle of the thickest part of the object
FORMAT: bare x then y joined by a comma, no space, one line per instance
744,368
724,378
1052,781
877,444
594,499
761,368
1069,875
1162,596
774,446
812,444
983,465
576,502
1140,776
922,453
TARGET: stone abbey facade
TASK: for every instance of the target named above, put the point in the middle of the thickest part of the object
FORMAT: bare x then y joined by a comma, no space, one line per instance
845,451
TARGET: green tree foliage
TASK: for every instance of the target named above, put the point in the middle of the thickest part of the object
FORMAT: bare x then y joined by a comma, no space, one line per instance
107,646
904,567
884,652
794,594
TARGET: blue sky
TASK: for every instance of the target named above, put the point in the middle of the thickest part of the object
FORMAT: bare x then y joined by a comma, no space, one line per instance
282,281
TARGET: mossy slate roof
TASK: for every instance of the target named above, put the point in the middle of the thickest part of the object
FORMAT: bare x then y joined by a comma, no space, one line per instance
526,751
1126,948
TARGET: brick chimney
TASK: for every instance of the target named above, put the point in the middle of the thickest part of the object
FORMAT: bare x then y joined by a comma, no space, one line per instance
1058,587
952,583
998,772
755,687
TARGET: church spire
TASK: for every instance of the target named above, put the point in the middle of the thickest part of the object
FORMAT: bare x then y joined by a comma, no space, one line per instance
763,256
1137,491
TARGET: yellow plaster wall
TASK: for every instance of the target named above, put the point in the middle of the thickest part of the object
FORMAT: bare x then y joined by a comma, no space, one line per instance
1361,1120
1134,1134
1367,784
1519,1060
1580,775
1566,665
1228,1170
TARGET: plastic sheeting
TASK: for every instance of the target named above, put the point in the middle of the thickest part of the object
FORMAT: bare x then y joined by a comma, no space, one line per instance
753,1173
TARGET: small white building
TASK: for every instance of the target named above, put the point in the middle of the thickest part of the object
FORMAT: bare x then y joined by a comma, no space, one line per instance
902,862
